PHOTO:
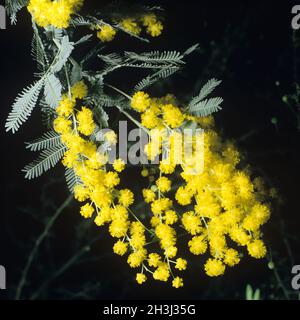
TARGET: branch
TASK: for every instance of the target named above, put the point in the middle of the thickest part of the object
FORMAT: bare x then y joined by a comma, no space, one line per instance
63,268
38,242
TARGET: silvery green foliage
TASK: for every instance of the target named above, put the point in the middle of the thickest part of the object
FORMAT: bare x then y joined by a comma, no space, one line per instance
52,90
13,7
58,71
47,160
23,106
27,100
47,141
38,51
52,150
80,21
65,49
156,58
76,72
72,179
171,62
84,39
48,114
160,64
203,106
154,77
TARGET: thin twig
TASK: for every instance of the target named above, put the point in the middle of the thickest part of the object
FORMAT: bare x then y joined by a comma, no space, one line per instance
280,283
63,268
38,242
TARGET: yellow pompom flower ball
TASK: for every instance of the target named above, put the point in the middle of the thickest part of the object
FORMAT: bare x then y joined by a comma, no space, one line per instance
131,26
177,282
87,211
79,90
140,101
81,193
148,19
111,179
154,259
170,217
214,267
111,137
62,125
257,249
154,26
148,195
106,33
191,222
126,198
118,228
172,116
85,120
163,184
162,273
119,165
181,264
155,29
197,245
136,258
65,107
120,247
231,257
141,278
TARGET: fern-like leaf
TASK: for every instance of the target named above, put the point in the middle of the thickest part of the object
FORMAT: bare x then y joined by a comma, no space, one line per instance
145,65
151,79
47,160
83,39
38,50
203,108
48,114
23,106
72,179
57,34
207,89
166,72
53,89
76,72
206,107
103,101
191,49
81,22
172,57
111,59
13,7
65,50
48,140
169,62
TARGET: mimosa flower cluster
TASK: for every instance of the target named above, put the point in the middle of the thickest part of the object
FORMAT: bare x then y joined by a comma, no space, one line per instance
199,200
150,22
217,207
222,202
56,13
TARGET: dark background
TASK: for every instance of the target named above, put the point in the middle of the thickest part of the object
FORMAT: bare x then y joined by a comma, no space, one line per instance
246,44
